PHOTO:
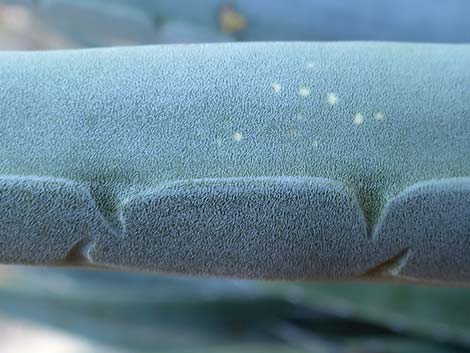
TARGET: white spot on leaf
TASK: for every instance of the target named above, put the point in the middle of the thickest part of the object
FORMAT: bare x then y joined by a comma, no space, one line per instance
358,119
276,87
237,136
332,98
310,65
379,116
304,91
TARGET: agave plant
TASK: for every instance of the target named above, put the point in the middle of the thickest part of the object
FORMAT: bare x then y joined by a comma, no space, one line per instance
293,161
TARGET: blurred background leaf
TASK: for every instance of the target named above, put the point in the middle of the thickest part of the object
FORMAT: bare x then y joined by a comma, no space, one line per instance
148,313
125,22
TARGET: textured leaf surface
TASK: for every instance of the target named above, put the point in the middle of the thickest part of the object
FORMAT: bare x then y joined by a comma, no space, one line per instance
285,160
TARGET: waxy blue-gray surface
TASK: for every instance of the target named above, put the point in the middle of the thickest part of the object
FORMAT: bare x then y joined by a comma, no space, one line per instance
254,160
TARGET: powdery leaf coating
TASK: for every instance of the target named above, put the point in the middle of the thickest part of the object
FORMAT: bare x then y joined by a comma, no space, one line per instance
181,159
